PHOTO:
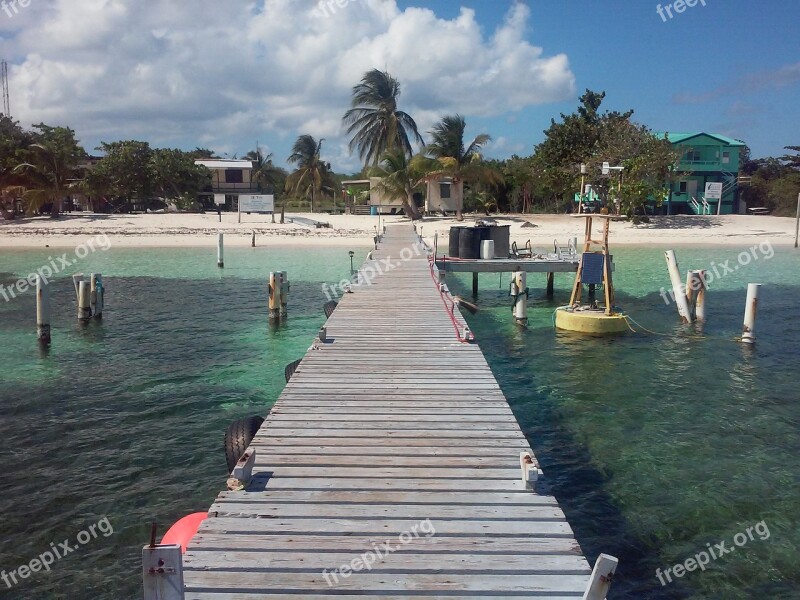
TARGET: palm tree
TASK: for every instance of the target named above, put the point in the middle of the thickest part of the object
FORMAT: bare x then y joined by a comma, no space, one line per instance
459,161
266,175
400,177
50,176
312,174
374,121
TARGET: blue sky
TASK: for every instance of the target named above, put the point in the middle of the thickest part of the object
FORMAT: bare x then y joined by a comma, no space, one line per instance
228,75
714,68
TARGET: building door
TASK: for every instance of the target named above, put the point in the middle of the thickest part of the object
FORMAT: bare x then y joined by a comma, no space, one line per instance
691,188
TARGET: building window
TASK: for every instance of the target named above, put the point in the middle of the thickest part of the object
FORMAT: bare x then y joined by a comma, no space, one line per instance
726,158
693,156
234,176
682,187
444,191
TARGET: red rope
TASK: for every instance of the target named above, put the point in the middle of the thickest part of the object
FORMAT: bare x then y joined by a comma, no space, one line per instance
452,309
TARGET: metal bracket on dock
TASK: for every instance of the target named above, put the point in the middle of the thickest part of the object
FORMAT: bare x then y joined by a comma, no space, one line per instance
243,471
530,470
162,572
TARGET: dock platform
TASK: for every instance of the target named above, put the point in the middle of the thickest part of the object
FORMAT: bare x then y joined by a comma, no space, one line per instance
391,445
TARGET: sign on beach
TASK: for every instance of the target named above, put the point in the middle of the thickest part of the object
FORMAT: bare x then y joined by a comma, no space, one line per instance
713,191
256,204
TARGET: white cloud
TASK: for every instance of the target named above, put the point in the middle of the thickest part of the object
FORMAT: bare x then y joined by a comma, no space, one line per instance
222,74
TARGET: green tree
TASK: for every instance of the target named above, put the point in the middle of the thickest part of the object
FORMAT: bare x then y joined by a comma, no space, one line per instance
50,168
375,122
125,173
14,142
312,174
176,177
463,162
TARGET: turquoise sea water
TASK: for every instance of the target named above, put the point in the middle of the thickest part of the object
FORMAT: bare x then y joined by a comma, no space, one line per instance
655,445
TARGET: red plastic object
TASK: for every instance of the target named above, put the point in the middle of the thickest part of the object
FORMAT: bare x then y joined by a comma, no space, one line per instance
184,530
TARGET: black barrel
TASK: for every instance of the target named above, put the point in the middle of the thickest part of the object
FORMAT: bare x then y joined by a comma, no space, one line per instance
501,235
455,234
469,243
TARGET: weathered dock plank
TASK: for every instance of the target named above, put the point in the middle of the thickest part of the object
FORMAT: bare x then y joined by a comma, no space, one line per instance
393,432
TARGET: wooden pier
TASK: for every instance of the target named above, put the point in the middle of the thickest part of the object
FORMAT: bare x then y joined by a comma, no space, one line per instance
392,431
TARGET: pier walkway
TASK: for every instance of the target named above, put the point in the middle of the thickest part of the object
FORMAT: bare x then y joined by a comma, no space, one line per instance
391,445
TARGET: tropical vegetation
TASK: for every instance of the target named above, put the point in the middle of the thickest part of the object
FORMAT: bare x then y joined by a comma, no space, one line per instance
41,168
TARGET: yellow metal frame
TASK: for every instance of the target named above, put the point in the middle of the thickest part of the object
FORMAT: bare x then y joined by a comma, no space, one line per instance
588,244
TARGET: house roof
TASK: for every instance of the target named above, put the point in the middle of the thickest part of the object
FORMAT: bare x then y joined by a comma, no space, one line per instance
677,138
225,164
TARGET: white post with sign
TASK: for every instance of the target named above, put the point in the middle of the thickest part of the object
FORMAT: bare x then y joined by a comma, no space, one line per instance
714,192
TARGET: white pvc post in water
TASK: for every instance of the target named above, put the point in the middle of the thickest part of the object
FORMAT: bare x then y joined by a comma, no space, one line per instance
221,251
677,287
521,301
42,311
750,312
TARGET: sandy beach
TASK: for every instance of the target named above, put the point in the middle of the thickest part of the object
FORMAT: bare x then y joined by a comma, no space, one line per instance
188,230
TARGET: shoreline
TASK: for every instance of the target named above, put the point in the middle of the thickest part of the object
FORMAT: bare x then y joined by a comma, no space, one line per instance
200,230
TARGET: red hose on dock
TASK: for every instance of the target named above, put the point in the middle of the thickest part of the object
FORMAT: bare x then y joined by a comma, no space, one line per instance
182,532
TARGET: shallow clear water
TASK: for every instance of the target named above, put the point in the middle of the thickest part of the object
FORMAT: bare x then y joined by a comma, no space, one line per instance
655,445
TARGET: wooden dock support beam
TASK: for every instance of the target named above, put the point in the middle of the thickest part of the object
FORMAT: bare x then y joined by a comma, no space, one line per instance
602,576
475,283
42,311
221,250
162,572
551,284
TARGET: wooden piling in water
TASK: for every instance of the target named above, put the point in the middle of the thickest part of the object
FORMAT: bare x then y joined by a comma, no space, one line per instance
42,311
284,283
551,284
274,296
97,295
221,251
84,301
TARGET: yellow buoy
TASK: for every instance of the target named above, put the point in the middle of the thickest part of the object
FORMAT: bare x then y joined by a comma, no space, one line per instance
587,320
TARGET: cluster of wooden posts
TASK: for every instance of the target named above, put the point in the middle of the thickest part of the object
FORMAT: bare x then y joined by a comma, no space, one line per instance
90,296
691,300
